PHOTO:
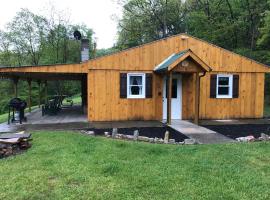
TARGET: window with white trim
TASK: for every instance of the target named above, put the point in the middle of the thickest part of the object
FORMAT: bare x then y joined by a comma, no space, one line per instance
224,86
135,85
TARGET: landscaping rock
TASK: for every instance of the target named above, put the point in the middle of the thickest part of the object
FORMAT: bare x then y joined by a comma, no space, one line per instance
161,141
264,137
129,137
158,140
190,141
166,137
171,141
245,139
151,140
90,133
114,132
143,138
180,143
106,134
136,135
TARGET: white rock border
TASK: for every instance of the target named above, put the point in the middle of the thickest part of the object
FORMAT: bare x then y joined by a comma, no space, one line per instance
251,138
136,137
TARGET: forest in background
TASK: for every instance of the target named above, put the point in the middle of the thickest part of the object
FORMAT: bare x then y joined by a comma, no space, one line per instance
242,26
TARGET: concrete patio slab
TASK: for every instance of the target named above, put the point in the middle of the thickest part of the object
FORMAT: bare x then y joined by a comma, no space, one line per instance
70,118
4,128
66,115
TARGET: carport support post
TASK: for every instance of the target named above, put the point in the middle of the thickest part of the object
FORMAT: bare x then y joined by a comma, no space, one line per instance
39,93
15,85
29,94
46,92
197,99
169,98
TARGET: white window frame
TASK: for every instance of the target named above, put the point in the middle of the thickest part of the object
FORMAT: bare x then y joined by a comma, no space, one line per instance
130,96
230,76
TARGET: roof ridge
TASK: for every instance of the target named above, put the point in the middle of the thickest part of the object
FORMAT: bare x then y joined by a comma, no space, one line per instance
176,35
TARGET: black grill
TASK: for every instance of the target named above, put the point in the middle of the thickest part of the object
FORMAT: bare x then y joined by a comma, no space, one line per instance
17,105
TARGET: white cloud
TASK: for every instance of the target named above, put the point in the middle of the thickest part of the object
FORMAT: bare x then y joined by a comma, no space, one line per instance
96,14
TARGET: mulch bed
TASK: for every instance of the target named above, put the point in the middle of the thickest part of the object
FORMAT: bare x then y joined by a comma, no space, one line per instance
241,130
150,132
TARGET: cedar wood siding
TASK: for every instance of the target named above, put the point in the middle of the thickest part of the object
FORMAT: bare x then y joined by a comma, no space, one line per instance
104,103
104,99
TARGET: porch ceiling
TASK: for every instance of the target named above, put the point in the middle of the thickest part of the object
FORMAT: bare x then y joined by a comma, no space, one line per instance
172,61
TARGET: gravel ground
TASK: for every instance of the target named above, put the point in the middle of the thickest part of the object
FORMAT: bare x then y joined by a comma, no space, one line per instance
242,130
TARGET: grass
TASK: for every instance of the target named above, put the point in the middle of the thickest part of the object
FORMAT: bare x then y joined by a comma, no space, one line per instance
76,99
66,165
3,118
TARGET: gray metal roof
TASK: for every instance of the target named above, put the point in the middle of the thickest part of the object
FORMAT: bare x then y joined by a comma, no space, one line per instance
168,61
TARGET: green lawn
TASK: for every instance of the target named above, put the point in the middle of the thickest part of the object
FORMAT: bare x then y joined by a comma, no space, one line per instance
3,118
77,99
72,166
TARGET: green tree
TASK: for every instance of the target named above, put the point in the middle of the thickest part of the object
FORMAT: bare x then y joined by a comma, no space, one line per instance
147,20
27,33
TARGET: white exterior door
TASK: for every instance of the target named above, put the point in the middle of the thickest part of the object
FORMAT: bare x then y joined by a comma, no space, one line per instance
176,97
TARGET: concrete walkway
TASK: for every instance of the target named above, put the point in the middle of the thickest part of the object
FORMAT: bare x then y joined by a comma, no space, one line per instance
200,134
4,128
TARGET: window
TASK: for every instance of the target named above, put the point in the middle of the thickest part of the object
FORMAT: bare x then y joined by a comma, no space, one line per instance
135,85
224,86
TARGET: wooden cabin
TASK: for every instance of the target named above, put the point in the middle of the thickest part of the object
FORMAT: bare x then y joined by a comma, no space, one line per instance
179,77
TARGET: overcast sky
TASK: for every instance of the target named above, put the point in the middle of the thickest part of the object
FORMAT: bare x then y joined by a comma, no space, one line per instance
96,14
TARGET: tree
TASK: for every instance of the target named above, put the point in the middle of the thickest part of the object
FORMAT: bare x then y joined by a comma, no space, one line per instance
5,55
147,20
264,39
27,34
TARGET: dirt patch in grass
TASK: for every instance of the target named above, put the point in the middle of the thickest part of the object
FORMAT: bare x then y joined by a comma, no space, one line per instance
151,132
241,130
